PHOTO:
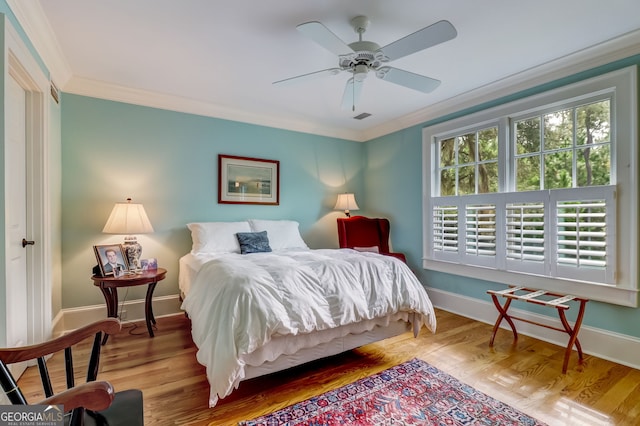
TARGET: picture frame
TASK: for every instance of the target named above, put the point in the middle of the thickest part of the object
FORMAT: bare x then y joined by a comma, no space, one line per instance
246,180
109,255
150,264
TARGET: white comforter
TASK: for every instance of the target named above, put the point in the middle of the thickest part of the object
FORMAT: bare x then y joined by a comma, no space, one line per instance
237,303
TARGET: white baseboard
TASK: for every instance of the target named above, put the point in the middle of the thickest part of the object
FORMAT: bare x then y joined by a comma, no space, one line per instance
70,319
604,344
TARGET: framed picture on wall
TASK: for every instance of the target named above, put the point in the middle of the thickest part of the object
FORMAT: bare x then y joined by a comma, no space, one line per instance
246,180
111,260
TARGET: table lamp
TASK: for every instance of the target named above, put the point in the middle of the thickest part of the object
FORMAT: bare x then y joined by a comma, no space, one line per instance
346,202
129,219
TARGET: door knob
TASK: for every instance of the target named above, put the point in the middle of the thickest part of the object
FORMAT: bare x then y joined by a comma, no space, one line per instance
27,243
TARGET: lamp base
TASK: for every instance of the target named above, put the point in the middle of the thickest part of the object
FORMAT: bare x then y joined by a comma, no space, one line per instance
133,250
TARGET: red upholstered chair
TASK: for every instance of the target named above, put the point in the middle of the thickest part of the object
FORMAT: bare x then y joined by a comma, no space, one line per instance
360,231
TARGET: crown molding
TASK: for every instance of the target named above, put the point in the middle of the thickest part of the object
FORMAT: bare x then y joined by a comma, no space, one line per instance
99,89
601,54
35,24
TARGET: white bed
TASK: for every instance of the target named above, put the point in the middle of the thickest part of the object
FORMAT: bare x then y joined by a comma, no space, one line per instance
254,314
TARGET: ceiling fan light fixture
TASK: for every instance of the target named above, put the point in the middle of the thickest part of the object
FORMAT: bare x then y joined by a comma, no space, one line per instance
364,46
360,72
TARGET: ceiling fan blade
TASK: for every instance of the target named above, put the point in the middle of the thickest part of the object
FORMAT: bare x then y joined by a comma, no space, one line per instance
408,79
429,36
351,94
309,76
324,37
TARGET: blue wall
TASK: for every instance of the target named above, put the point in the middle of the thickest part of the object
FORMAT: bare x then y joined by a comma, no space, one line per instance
168,162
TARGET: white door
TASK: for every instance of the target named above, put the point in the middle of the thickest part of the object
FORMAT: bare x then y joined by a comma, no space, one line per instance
16,213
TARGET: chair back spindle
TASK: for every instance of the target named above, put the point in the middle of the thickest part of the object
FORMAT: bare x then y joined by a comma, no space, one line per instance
94,359
68,367
10,386
44,377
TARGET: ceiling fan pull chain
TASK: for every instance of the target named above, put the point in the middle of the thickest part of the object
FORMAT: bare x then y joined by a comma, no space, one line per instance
353,92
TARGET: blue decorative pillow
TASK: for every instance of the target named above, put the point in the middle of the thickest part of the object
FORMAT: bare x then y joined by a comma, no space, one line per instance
253,242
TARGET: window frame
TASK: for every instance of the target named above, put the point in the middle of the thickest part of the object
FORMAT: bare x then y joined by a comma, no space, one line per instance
621,85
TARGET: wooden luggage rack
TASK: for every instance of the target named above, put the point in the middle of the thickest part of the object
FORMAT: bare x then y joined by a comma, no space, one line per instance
532,296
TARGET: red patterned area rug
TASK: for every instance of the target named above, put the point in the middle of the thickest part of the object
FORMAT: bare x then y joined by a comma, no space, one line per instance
412,393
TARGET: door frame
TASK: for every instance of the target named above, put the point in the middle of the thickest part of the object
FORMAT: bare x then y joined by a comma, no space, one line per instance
22,66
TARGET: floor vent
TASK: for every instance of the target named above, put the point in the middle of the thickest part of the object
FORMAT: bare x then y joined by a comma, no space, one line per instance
362,116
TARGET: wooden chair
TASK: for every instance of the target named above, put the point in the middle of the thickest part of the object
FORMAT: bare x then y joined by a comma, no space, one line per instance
90,403
363,233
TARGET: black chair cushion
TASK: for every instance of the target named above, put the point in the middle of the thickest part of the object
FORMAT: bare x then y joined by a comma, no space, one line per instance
126,410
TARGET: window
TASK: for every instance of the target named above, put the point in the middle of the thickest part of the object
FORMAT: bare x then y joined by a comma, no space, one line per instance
567,148
535,191
469,163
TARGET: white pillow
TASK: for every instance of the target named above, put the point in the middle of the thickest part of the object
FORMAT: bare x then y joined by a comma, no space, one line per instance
282,234
216,237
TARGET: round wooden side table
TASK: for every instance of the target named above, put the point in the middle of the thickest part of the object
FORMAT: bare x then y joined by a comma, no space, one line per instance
109,286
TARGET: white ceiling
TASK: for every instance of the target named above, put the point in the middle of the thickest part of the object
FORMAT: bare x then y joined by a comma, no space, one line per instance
220,57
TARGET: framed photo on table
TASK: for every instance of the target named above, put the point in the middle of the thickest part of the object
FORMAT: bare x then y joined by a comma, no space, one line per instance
246,180
111,260
150,264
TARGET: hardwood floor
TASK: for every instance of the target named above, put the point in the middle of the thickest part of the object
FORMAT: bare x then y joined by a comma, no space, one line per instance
526,375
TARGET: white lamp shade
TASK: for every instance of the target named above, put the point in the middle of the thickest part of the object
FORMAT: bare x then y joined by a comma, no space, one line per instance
127,219
346,201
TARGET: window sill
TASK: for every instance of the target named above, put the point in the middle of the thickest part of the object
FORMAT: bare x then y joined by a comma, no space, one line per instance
602,293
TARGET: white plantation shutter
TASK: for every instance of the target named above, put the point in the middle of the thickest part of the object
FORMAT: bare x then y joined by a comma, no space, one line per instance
445,231
584,227
527,232
464,230
582,234
480,233
566,233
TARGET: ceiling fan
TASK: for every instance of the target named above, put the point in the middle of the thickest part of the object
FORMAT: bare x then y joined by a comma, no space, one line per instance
360,57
